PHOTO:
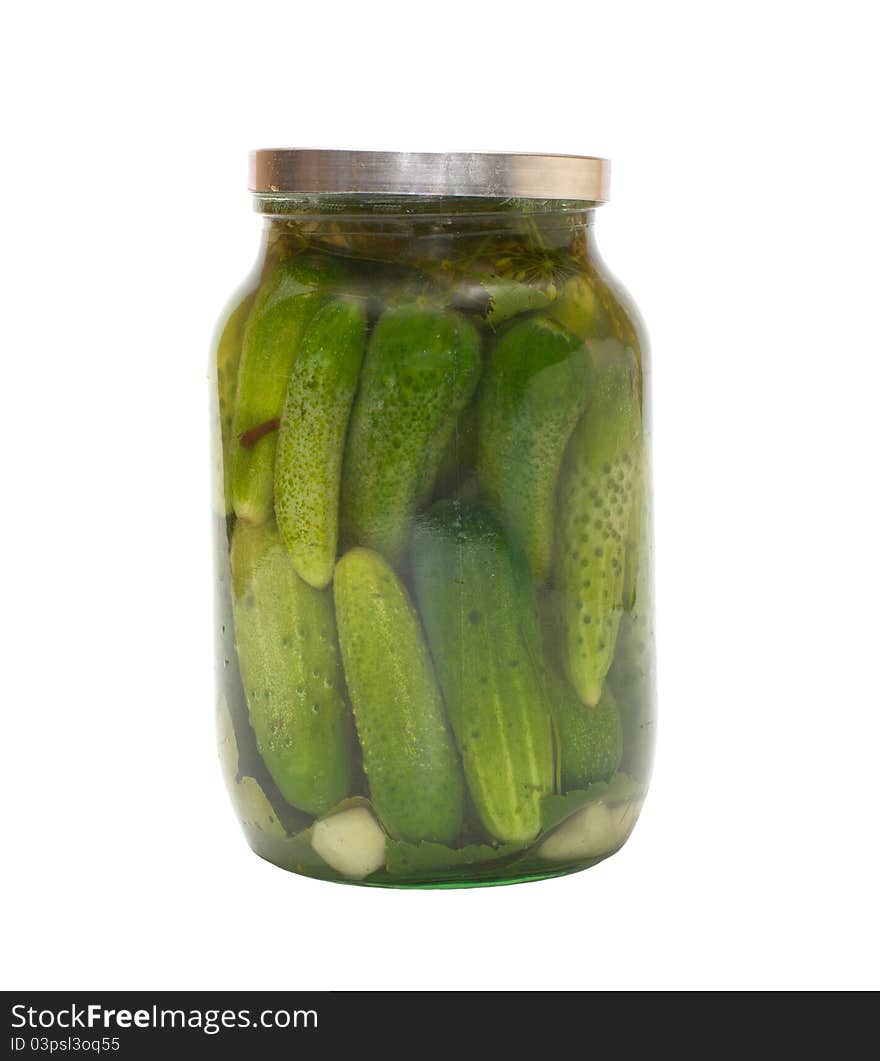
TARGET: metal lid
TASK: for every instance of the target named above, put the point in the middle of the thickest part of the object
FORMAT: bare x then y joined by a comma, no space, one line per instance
464,174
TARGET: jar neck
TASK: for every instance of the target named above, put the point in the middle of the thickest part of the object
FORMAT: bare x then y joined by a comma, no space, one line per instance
531,236
285,203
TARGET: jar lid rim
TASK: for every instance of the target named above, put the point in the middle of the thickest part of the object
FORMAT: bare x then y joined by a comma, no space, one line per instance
465,174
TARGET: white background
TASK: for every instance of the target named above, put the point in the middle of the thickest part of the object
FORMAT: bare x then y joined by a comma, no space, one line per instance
744,219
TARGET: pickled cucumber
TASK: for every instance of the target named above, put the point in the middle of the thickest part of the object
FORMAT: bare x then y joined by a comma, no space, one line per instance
589,739
477,603
577,307
508,298
420,370
291,672
227,358
632,672
595,500
283,307
534,390
409,756
311,438
459,457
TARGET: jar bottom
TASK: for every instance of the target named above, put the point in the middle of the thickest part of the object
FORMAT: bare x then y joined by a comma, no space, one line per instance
487,882
270,850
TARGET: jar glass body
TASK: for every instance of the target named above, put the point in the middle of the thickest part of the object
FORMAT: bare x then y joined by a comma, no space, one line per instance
433,539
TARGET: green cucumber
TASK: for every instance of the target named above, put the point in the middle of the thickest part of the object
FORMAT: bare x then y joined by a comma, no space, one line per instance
476,600
632,672
534,391
507,298
420,370
632,678
577,307
284,305
460,455
291,672
409,755
589,739
227,357
311,438
595,500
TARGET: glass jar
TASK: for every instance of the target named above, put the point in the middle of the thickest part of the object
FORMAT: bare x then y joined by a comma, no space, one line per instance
433,523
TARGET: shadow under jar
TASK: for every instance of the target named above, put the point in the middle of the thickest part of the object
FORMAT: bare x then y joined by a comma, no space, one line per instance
433,523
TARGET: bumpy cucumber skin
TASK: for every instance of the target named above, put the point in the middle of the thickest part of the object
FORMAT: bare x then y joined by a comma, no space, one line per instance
409,754
632,674
311,438
595,499
590,738
535,389
291,672
283,306
476,600
459,458
227,357
420,370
